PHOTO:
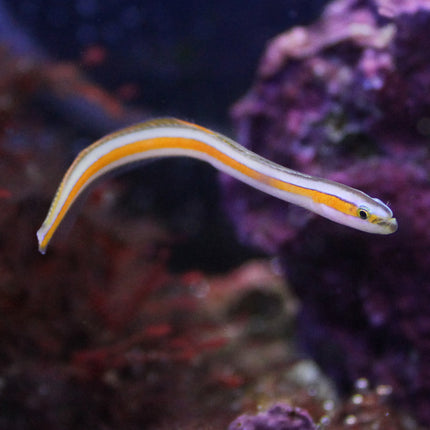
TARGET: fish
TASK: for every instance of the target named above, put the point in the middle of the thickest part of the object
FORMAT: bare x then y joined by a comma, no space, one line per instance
171,137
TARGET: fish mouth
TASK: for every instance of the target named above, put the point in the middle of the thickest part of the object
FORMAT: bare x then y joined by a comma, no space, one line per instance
390,225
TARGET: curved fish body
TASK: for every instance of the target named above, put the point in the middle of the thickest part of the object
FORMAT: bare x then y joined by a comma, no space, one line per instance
172,138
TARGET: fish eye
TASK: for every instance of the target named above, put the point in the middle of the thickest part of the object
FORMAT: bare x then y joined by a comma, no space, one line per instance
363,212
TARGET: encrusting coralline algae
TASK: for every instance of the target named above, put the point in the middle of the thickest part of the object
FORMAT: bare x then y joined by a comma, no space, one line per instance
347,99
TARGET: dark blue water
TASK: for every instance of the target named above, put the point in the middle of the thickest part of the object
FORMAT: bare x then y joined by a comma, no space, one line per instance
191,58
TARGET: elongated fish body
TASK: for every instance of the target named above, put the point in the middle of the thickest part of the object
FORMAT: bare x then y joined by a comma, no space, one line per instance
173,138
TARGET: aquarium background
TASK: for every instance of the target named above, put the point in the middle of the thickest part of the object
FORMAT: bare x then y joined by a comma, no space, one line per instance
177,297
191,59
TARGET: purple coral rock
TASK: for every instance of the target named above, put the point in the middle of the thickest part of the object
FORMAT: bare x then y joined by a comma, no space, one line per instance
347,99
393,8
278,417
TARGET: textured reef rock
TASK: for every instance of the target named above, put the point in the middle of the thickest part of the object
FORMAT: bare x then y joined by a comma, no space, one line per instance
277,417
366,409
347,99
